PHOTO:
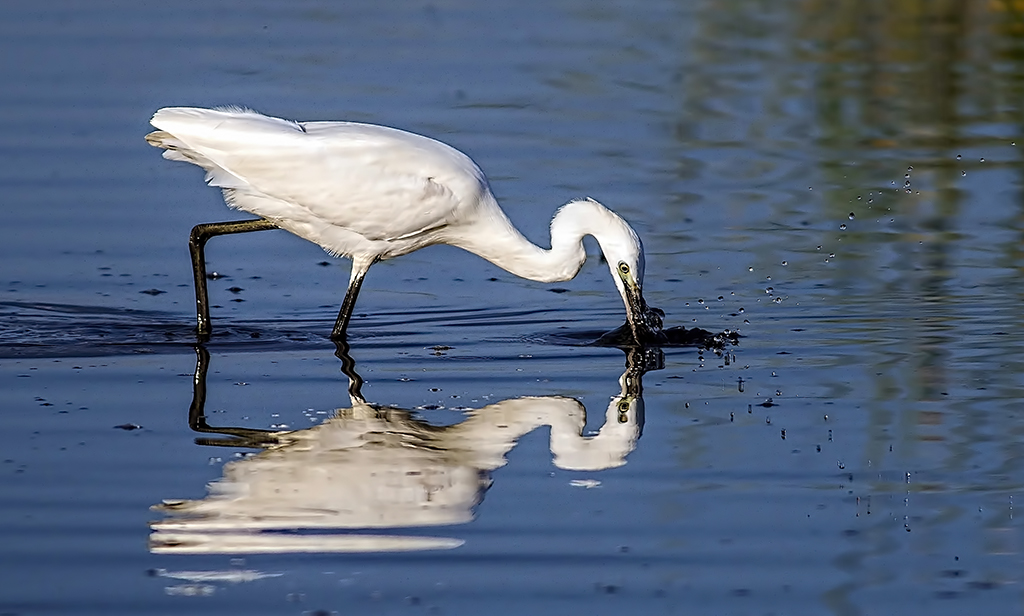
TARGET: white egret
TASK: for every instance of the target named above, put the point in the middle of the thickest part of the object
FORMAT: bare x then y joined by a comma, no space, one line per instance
370,193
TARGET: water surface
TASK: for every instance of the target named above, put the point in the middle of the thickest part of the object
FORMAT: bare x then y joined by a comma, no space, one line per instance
838,182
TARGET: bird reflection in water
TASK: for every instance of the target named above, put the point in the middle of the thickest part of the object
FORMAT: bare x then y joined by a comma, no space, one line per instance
374,467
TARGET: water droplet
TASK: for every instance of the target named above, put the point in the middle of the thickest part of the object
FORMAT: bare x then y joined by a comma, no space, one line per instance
777,300
858,197
982,159
819,247
909,191
910,168
769,290
742,310
842,227
750,269
810,188
700,301
958,157
785,263
871,200
963,173
852,216
906,177
831,255
767,277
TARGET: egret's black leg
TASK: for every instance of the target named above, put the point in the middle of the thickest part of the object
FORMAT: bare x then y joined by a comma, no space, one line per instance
345,314
197,244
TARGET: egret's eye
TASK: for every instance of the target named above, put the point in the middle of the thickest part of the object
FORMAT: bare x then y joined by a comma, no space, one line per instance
623,268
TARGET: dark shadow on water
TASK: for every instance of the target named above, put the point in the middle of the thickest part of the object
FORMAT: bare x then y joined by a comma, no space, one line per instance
35,329
621,337
50,330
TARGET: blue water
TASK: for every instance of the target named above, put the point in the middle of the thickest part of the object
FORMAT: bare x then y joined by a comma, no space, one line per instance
841,184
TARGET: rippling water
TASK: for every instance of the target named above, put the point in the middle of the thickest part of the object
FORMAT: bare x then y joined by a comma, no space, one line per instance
838,182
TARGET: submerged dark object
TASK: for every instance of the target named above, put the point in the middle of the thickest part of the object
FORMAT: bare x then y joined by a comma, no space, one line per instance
678,336
695,336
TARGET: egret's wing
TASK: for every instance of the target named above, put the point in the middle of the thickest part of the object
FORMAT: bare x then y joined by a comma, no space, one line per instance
379,182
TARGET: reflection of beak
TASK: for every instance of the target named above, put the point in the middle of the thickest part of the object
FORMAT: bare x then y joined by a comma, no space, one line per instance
630,401
640,361
643,321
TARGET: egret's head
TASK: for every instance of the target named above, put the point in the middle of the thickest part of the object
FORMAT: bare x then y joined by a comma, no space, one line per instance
625,255
645,322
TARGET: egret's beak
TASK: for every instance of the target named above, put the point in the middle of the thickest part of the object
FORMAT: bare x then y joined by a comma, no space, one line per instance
644,322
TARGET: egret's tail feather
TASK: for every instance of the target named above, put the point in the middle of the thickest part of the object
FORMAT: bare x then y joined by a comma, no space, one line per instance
159,139
175,149
200,136
178,148
192,124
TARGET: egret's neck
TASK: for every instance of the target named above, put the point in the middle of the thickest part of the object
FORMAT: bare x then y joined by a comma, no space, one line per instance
494,238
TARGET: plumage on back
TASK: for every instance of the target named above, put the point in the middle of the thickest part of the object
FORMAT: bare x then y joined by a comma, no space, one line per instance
348,175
